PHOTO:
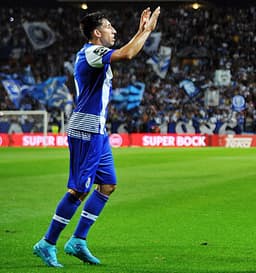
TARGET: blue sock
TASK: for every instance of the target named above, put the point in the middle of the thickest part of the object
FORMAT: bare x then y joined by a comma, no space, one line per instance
64,212
92,208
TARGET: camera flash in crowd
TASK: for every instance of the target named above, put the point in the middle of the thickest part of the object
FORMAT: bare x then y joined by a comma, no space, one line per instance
84,6
195,6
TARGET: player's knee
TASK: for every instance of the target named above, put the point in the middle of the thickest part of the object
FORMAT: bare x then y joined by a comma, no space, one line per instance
106,189
78,195
112,188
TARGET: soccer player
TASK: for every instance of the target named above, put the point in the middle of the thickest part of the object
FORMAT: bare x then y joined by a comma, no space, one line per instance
91,160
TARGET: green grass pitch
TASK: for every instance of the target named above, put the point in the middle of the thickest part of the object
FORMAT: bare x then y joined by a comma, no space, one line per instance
174,211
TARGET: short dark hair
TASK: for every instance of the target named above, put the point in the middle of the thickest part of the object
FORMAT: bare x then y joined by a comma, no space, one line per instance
91,21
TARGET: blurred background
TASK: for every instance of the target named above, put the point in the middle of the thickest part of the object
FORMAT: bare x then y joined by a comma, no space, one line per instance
196,73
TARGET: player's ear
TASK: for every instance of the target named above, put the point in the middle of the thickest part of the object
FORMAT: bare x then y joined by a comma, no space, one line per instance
97,33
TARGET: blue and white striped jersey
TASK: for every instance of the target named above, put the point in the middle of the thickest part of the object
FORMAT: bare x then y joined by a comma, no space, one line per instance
93,80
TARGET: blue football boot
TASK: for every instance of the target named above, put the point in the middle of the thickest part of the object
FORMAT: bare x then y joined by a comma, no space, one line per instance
47,253
78,248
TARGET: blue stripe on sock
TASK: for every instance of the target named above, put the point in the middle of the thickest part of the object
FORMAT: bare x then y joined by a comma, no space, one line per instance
65,209
94,205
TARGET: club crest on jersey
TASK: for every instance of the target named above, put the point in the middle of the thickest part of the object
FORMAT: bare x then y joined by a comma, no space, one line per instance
100,51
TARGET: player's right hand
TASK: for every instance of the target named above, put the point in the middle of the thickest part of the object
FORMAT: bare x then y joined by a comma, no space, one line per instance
151,22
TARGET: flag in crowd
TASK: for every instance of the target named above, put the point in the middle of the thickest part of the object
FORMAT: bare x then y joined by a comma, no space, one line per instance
222,77
13,88
152,43
160,61
189,87
51,93
211,98
238,103
39,34
28,77
128,97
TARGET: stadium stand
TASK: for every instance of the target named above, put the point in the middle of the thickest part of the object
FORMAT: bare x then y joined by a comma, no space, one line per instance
209,71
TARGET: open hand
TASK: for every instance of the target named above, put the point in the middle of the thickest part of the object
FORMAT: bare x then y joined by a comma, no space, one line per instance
151,21
145,15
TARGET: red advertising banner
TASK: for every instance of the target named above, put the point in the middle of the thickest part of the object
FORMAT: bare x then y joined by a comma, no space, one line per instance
234,141
169,140
33,140
4,140
140,140
119,140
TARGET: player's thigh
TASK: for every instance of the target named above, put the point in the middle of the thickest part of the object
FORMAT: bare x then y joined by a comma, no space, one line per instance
106,173
85,157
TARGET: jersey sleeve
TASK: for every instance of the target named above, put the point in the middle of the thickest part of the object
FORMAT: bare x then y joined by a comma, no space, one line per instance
97,56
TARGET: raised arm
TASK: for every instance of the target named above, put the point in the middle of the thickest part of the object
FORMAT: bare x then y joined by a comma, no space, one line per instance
133,47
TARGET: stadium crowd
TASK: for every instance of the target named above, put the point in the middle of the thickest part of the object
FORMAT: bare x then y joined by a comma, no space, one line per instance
201,41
